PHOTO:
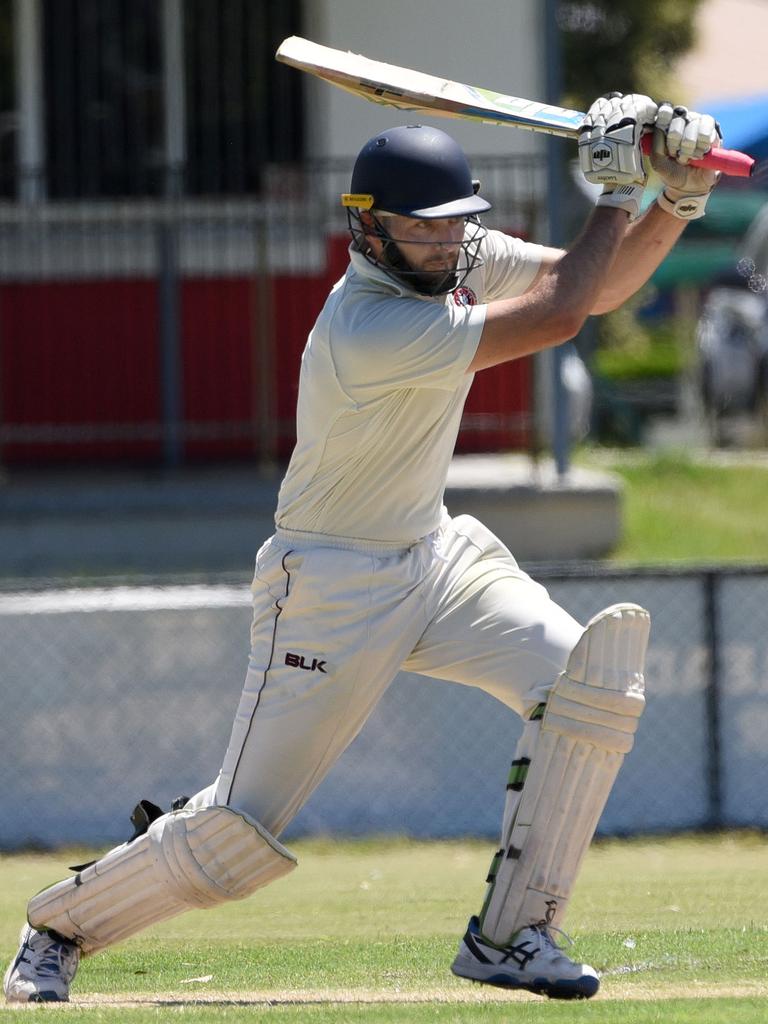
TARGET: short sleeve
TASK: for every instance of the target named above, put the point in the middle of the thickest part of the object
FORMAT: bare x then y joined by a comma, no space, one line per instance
400,342
510,265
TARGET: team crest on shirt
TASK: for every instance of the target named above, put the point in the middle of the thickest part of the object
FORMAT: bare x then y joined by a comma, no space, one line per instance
464,296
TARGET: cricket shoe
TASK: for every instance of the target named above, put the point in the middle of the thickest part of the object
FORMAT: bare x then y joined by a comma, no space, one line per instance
532,962
43,968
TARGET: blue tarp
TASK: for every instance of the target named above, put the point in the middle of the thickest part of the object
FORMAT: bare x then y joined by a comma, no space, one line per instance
744,122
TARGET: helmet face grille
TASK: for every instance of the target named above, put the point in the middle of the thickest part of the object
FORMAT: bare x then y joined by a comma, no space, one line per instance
417,172
396,267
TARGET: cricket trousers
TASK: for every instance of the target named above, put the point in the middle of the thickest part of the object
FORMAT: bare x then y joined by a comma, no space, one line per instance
335,622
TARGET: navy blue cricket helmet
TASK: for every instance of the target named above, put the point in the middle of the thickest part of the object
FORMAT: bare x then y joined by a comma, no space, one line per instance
417,172
421,172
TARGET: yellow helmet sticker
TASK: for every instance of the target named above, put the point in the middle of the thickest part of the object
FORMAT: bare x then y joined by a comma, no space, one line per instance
362,200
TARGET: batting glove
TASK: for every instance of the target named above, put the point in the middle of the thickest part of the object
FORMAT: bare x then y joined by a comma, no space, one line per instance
609,148
682,135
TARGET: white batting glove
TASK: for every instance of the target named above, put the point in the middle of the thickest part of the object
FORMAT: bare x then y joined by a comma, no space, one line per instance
682,135
609,148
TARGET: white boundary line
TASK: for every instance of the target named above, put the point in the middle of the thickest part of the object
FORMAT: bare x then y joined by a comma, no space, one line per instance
122,599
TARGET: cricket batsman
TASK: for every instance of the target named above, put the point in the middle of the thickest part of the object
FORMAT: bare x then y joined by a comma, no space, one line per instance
367,574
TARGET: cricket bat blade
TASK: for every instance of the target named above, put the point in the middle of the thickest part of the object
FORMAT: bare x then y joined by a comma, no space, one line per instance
415,91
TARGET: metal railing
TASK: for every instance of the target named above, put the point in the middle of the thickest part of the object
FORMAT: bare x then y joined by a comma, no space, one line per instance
169,329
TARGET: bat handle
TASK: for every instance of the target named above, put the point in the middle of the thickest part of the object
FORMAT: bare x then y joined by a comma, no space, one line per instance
729,161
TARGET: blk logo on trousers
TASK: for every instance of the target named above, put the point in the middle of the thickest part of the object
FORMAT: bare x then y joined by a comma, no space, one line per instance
299,661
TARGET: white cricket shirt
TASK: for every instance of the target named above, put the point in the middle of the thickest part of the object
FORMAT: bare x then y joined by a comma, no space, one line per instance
382,387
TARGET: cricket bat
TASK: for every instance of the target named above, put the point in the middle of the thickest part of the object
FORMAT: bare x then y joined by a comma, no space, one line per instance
420,93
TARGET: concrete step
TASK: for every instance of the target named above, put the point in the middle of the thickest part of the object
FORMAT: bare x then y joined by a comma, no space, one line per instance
214,519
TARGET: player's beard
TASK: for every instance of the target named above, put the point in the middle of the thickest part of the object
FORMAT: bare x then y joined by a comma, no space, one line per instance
440,281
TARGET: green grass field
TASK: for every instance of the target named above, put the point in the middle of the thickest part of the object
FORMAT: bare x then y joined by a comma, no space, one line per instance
366,931
679,508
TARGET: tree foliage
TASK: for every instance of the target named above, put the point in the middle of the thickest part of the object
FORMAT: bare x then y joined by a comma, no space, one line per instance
623,45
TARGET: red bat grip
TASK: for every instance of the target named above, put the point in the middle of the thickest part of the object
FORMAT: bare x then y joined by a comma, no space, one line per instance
729,161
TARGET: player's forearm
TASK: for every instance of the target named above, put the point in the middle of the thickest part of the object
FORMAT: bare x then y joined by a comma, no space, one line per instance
647,242
554,309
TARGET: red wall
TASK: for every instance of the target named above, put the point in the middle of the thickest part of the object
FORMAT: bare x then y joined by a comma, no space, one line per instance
87,353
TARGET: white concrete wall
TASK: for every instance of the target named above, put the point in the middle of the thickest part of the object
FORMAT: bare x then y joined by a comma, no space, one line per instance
497,44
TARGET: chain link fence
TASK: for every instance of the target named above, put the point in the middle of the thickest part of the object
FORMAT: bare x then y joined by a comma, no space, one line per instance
123,692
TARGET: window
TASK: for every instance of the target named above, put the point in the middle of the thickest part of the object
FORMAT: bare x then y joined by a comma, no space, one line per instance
243,108
103,94
8,118
102,65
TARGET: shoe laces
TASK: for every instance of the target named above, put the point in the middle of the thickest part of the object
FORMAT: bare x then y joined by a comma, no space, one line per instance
55,960
547,939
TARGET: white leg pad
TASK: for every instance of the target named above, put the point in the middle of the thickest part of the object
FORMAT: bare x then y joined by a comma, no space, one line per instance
587,729
186,859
